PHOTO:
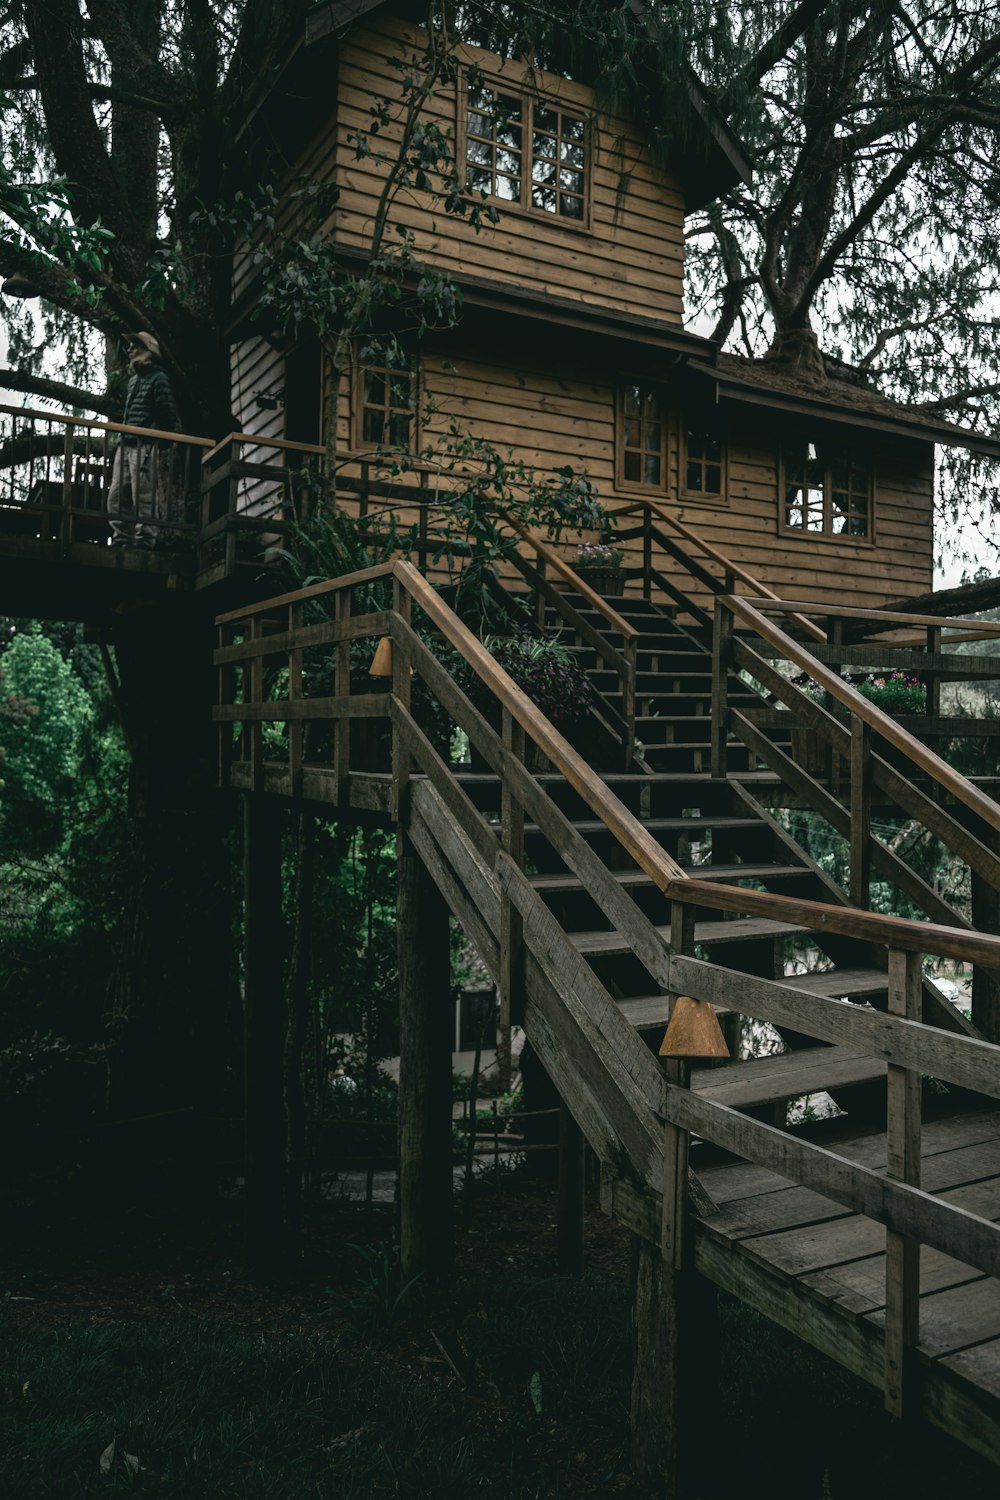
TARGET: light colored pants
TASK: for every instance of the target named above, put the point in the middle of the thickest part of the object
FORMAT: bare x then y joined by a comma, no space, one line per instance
137,494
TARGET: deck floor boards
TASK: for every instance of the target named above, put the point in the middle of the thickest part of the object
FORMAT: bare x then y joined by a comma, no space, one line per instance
825,1266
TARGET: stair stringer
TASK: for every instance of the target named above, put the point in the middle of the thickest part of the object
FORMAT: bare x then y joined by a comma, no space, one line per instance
607,1077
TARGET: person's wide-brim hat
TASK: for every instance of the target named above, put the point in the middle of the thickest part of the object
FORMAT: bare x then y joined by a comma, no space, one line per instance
148,342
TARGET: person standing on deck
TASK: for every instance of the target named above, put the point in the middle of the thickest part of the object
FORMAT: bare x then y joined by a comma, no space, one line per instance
139,480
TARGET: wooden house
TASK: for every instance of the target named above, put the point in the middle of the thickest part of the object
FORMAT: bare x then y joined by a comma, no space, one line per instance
571,347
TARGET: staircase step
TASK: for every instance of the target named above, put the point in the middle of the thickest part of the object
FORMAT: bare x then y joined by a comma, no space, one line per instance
834,984
769,1080
740,930
666,825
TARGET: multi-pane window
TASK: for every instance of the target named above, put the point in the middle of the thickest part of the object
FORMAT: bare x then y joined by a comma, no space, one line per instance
642,459
827,491
703,458
526,151
386,405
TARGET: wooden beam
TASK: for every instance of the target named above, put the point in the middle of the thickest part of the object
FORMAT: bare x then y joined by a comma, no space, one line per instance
263,1038
426,1026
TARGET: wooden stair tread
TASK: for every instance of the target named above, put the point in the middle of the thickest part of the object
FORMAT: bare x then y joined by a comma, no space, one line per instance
664,825
646,1011
833,983
768,1080
741,930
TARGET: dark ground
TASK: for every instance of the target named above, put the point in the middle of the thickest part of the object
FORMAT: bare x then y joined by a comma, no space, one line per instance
137,1327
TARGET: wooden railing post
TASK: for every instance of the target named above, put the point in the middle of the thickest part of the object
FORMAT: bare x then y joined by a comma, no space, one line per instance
296,727
861,811
256,695
572,1198
263,1037
342,689
663,1342
426,1019
66,518
721,637
541,568
933,680
647,552
986,918
401,691
630,650
902,1253
511,931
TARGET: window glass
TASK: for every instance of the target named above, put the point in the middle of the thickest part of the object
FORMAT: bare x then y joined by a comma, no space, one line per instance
524,151
642,428
827,490
388,405
702,457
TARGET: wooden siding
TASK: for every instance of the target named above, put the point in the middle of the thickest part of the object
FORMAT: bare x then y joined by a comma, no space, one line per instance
631,258
559,417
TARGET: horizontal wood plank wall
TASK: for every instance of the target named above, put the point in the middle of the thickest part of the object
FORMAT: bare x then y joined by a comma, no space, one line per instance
631,259
896,564
258,369
557,417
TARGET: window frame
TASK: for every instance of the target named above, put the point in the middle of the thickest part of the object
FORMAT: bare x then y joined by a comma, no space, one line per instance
701,497
859,455
361,444
636,486
529,99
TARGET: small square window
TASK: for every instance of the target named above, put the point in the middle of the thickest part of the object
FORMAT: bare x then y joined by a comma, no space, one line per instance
827,491
386,407
525,152
641,430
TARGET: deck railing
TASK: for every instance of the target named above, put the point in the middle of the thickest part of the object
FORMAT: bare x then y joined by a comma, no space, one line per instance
56,475
275,669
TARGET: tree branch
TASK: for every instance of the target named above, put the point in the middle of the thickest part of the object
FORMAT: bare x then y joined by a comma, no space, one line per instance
70,395
772,51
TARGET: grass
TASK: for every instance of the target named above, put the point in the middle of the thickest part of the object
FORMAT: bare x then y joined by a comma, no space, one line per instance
198,1409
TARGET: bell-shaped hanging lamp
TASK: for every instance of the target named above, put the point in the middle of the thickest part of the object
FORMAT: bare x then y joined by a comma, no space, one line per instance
693,1031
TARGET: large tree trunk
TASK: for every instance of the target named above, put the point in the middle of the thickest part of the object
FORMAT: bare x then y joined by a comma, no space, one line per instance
176,972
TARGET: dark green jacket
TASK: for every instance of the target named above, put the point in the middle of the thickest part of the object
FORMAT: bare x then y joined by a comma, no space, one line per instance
150,400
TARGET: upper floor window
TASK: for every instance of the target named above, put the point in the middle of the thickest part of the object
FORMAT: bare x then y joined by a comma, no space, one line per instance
827,491
642,427
703,458
385,408
525,151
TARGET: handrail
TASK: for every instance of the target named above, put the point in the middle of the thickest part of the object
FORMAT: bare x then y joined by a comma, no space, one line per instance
627,829
820,916
64,419
925,759
727,565
987,628
580,585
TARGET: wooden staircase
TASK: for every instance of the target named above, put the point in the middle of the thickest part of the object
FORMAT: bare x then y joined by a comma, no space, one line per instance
596,896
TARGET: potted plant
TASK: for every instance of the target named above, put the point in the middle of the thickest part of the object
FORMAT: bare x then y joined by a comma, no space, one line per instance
544,669
601,565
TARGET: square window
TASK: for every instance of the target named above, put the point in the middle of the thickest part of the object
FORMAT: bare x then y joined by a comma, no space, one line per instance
525,151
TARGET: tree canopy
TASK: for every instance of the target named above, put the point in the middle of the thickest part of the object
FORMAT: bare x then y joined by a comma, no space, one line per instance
870,221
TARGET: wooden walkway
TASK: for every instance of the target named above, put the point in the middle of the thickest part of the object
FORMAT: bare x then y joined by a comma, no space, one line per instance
818,1270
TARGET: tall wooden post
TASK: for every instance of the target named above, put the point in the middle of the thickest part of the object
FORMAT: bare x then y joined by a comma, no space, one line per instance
986,918
902,1254
569,1217
426,1019
263,1038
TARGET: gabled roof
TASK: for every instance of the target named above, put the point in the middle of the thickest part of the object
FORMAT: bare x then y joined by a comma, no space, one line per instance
711,160
755,382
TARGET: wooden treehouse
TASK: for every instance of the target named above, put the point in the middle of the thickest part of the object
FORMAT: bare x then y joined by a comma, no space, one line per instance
777,532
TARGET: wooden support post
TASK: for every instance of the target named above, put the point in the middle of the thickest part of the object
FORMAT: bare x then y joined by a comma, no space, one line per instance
720,671
296,728
263,1038
342,689
932,682
861,811
902,1254
401,691
569,1220
647,552
630,650
255,730
511,930
426,1018
986,918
